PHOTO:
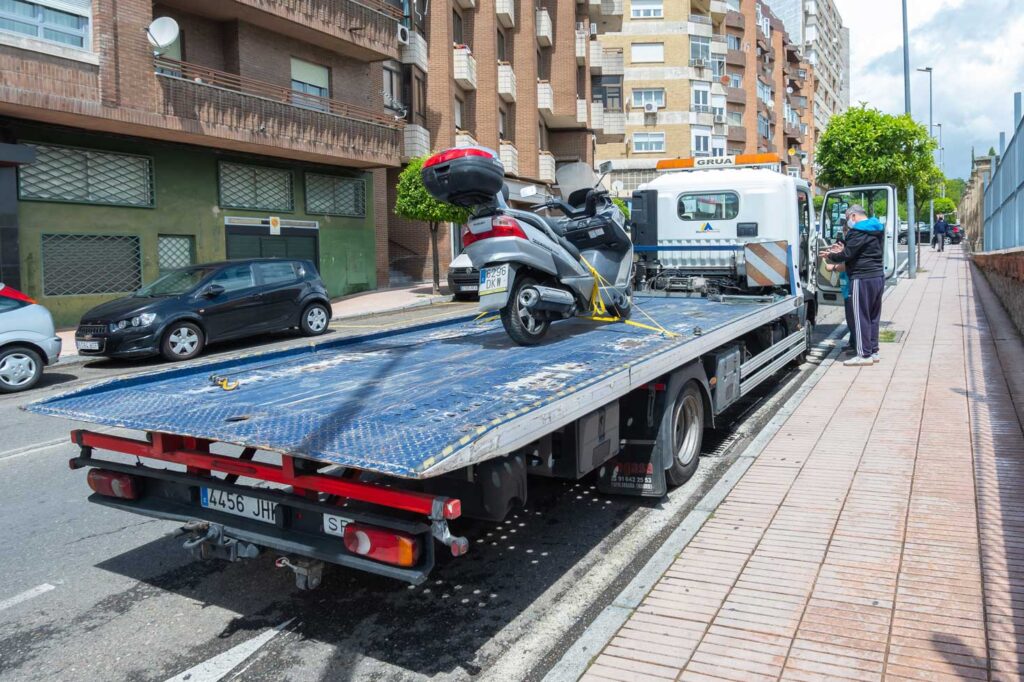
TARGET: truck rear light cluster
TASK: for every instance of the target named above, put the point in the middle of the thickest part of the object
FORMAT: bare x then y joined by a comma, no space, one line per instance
113,484
381,544
501,226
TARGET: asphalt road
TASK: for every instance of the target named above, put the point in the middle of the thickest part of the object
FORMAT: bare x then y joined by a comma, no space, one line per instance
91,593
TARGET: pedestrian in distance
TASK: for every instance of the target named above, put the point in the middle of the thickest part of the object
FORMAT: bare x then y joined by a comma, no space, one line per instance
939,231
863,255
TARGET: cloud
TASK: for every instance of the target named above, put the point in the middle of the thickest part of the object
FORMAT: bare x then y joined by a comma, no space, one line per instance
977,54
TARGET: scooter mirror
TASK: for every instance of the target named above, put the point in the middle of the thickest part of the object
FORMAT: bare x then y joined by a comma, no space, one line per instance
605,168
528,191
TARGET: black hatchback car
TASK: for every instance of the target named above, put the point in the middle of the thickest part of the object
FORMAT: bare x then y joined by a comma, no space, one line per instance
185,309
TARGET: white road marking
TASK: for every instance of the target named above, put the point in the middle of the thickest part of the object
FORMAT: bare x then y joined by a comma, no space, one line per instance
214,669
26,595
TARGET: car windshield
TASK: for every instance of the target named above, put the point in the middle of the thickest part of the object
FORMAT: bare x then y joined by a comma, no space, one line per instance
175,282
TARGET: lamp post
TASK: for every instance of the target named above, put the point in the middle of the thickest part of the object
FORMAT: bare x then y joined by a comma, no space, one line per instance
942,160
931,133
911,223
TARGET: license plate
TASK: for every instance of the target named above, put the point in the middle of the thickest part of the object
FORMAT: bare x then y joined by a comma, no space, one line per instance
335,525
87,345
494,280
468,288
240,505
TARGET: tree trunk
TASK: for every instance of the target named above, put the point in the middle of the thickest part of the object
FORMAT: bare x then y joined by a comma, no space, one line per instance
436,258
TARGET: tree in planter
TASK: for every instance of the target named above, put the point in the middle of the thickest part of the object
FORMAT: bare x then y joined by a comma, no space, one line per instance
415,203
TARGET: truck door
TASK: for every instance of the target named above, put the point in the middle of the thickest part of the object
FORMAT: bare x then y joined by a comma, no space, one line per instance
880,202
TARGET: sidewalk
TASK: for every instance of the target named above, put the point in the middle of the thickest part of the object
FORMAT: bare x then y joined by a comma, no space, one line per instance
878,534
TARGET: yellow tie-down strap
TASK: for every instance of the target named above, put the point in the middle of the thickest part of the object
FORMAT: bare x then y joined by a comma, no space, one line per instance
599,312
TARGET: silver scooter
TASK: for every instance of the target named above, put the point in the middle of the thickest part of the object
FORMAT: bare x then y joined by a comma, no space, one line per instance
538,268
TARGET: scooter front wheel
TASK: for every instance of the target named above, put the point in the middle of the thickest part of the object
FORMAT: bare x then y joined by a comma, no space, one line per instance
523,326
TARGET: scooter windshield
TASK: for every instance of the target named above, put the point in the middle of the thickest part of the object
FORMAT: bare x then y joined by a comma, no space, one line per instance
574,176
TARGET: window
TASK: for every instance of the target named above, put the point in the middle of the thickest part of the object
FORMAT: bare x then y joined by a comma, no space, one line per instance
393,86
735,118
654,96
717,146
709,206
648,142
276,273
44,21
803,212
718,105
78,264
701,97
234,278
733,42
717,68
420,97
255,187
608,91
175,251
87,176
502,57
632,178
764,92
335,195
458,36
764,126
646,52
310,84
459,111
700,50
503,124
646,9
701,138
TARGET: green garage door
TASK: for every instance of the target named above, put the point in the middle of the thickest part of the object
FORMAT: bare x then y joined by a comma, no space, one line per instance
242,245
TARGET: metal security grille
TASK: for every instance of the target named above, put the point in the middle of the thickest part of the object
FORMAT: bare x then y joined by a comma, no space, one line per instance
255,187
87,176
174,251
332,195
75,264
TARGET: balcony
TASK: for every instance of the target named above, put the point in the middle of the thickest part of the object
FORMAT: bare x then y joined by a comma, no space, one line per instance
701,114
415,52
213,104
719,45
597,115
614,123
735,58
798,102
465,68
464,138
719,9
506,11
545,98
509,158
466,4
700,19
581,111
608,13
546,167
735,20
582,48
544,29
735,95
506,82
416,143
793,132
737,134
596,57
613,62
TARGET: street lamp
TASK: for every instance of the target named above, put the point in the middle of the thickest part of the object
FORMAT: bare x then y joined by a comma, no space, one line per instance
911,233
942,160
931,133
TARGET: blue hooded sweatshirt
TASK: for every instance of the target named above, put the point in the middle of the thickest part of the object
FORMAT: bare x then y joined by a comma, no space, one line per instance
864,250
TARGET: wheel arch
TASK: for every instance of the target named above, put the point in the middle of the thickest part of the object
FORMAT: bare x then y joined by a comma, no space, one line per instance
674,384
194,319
17,343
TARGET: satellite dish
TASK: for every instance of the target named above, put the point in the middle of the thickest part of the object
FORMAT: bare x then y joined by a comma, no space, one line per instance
618,186
789,91
163,32
725,80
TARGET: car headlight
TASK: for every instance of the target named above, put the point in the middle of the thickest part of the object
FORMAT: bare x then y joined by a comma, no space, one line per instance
143,320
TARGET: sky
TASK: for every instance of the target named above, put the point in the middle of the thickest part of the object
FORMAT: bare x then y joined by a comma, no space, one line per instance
976,48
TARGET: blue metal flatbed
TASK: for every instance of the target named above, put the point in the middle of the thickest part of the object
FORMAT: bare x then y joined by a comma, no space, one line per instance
419,401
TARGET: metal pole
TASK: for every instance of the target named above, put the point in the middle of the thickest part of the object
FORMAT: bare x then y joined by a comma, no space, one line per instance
931,134
942,160
911,223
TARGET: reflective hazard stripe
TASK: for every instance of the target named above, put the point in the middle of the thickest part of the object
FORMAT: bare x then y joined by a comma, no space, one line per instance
766,263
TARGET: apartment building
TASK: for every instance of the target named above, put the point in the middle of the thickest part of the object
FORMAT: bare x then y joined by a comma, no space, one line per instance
706,78
260,131
511,75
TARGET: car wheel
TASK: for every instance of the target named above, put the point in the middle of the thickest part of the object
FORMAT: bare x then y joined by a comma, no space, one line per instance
182,341
20,369
315,319
686,432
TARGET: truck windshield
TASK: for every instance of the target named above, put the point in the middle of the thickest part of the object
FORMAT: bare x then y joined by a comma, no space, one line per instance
175,282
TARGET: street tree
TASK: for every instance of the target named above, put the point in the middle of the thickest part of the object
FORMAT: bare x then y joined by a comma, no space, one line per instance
991,151
415,203
866,146
945,205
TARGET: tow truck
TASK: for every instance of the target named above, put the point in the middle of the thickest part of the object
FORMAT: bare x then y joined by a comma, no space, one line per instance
361,452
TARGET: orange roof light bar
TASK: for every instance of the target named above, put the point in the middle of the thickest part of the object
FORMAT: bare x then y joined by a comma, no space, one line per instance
719,161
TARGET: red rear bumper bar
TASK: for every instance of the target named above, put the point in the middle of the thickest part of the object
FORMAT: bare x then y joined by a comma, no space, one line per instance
194,453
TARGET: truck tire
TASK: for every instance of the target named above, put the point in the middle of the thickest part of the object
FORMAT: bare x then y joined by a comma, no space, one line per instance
20,369
520,325
686,433
808,344
182,341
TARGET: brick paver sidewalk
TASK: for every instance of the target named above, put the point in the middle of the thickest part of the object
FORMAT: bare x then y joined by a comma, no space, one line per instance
878,535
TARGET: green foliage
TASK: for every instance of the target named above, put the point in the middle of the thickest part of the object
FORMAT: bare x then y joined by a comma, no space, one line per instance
622,206
991,151
818,202
415,203
865,146
945,205
955,189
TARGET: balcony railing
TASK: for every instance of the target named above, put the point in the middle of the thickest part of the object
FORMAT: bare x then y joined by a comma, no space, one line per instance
582,47
464,138
596,57
415,52
509,158
506,82
597,115
735,95
465,68
700,19
614,62
737,134
217,98
546,167
581,111
545,98
466,4
506,11
417,142
544,29
614,123
735,20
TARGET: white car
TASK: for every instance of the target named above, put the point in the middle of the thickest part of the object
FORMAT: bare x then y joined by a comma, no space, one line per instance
27,340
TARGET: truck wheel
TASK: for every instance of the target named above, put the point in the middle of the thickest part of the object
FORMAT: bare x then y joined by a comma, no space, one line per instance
686,432
808,344
521,325
20,369
315,319
182,341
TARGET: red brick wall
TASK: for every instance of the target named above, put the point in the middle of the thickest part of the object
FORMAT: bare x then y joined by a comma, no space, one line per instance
203,40
525,116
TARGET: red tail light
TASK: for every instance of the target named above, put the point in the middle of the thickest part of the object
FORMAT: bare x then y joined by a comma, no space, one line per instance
380,544
456,154
8,292
113,484
501,226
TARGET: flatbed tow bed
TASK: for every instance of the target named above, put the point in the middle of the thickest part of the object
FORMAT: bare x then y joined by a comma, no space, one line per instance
369,428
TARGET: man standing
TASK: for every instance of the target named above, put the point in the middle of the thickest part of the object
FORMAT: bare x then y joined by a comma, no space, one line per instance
939,230
863,254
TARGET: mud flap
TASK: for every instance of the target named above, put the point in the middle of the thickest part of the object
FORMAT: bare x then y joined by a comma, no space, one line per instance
633,471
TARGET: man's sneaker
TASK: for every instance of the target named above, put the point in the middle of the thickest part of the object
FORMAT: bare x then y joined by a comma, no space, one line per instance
875,358
859,362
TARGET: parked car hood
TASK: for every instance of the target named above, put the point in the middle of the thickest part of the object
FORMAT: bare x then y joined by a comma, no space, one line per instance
121,308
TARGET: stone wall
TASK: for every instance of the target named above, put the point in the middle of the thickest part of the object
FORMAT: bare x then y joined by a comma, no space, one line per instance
1005,274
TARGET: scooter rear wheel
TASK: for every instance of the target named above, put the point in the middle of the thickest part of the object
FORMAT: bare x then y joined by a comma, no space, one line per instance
520,324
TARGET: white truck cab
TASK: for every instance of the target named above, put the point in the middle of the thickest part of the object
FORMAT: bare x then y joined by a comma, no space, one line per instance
737,225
